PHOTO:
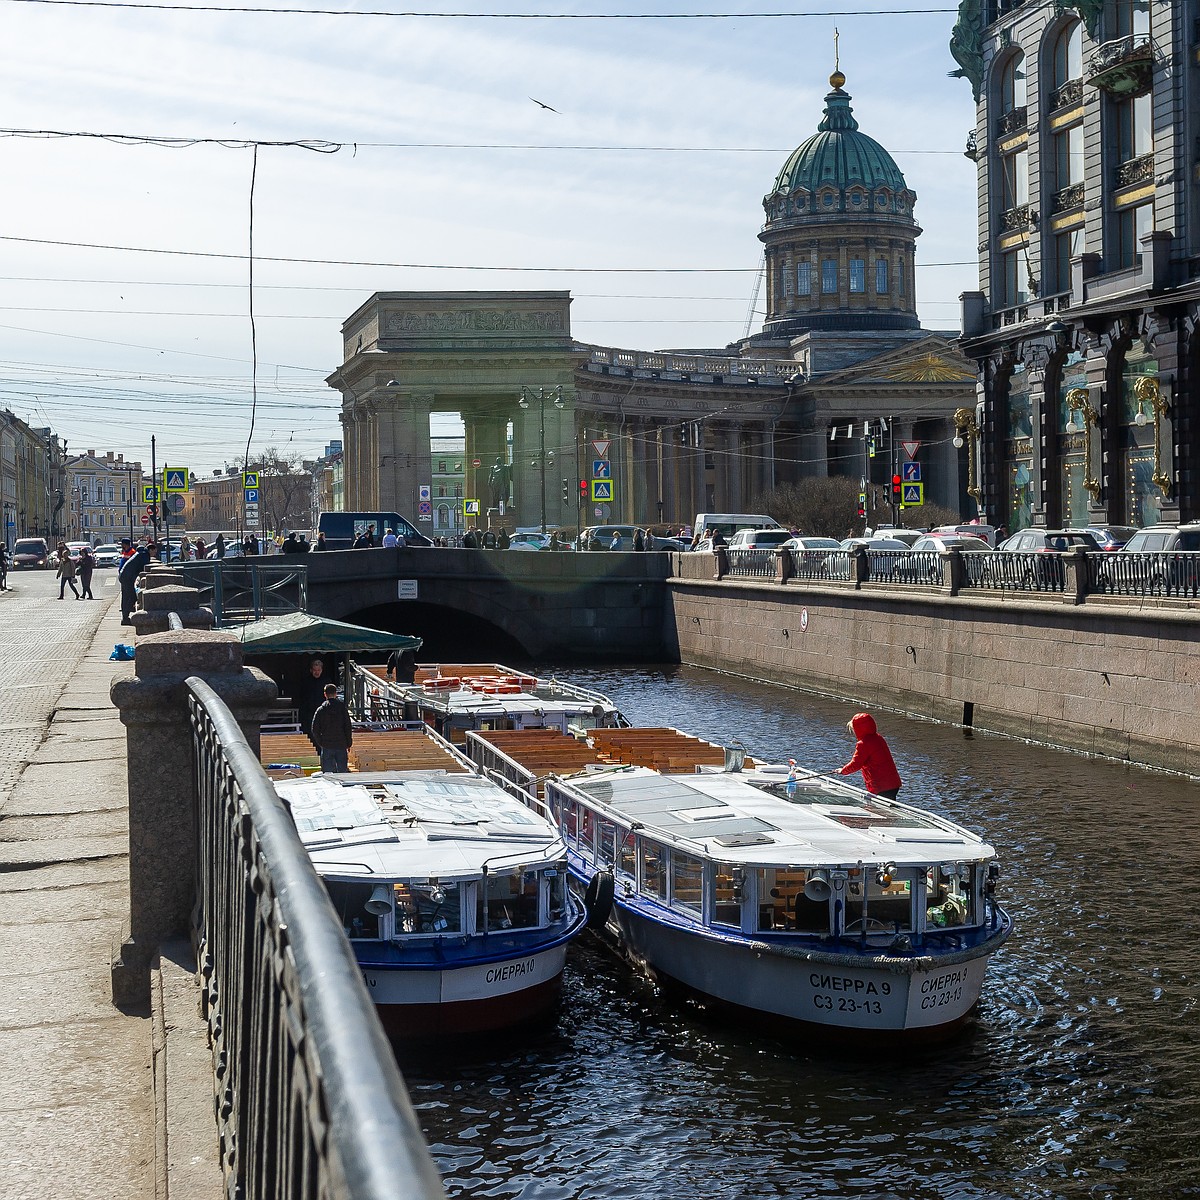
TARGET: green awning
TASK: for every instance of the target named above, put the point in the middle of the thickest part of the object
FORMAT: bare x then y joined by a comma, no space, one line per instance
304,633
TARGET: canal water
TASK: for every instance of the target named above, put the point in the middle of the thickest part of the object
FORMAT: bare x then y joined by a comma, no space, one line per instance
1079,1078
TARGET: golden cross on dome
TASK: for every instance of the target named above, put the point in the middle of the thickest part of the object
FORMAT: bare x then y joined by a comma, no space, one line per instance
836,35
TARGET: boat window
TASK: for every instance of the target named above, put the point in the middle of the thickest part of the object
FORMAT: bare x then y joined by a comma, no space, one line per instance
950,896
426,906
570,820
729,887
654,870
587,830
783,903
626,854
877,905
556,895
350,900
606,847
508,901
687,882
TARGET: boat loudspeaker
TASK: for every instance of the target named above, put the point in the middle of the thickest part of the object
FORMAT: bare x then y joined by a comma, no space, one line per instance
380,901
817,888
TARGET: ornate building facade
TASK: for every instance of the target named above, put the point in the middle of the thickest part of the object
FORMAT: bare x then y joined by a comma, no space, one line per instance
1085,327
841,363
105,497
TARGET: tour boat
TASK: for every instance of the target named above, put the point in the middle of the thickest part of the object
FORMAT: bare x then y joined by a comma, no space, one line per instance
801,899
455,698
453,893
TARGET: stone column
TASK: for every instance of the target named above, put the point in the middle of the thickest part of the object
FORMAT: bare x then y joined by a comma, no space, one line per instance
735,475
162,785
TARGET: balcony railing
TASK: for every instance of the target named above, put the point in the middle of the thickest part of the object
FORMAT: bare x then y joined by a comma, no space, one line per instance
1068,198
1067,96
1020,217
1124,66
1013,121
1136,170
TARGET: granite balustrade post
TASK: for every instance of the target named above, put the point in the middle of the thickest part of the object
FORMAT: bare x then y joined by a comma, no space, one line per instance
161,781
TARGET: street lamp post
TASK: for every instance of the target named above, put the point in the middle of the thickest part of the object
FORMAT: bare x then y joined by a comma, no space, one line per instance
541,394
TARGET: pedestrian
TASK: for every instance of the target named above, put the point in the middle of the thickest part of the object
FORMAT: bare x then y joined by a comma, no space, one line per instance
310,693
872,757
291,545
320,543
250,545
131,568
3,567
219,545
639,539
389,538
201,550
503,541
332,733
470,539
615,544
85,567
489,539
402,666
65,569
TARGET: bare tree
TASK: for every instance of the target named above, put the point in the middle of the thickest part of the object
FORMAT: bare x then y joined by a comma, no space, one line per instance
827,506
284,490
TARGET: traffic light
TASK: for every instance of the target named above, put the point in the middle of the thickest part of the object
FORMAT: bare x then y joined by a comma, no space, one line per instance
566,491
583,489
896,492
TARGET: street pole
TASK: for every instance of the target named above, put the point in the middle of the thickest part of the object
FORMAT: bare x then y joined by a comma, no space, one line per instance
523,402
154,488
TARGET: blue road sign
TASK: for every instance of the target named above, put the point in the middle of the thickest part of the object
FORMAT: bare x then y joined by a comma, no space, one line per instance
601,468
602,491
913,493
911,471
250,479
252,495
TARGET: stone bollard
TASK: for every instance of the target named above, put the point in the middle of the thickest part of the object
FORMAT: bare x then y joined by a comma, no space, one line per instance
1076,579
783,565
160,599
720,562
953,569
162,787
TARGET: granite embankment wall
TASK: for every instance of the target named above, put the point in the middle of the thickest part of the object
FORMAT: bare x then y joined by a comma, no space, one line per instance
1108,678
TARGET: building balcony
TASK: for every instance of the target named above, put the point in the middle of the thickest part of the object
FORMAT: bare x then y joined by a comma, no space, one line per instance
971,150
1020,217
1068,198
1123,67
1068,96
1011,122
1136,170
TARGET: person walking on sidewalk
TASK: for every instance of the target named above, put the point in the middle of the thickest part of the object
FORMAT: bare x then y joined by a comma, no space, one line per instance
3,567
66,573
86,565
332,733
131,568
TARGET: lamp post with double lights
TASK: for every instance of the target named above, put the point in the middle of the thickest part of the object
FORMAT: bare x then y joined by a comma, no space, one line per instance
541,394
965,422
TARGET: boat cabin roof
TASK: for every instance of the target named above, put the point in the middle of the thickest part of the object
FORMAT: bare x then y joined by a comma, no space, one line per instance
759,817
418,825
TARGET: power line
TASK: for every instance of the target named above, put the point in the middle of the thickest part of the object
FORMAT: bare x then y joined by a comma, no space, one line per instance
496,16
410,266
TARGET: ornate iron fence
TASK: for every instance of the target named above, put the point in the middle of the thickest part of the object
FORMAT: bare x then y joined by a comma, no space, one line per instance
310,1103
1174,573
245,589
1020,571
820,564
752,564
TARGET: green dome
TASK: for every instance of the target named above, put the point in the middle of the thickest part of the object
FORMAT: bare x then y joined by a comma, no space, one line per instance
839,170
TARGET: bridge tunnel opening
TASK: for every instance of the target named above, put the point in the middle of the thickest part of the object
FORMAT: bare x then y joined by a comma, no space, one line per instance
447,636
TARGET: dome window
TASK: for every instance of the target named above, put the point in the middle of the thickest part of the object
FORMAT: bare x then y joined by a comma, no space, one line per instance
827,200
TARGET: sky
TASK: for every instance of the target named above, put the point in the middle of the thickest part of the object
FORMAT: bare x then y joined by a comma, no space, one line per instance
413,157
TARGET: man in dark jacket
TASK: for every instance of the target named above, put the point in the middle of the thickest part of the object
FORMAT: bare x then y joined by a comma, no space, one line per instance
331,732
131,568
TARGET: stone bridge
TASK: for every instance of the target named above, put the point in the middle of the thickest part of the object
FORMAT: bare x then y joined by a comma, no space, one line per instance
491,603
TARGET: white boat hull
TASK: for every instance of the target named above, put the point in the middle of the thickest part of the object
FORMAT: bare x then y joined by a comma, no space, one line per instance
472,998
844,995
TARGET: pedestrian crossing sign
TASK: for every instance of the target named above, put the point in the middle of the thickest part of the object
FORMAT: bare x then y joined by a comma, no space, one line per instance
250,479
913,493
175,479
470,508
149,493
602,491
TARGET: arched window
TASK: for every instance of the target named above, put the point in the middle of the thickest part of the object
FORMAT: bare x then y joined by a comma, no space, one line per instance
1068,55
1012,84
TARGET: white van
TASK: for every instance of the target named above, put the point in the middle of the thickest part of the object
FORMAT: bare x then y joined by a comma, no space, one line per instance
728,524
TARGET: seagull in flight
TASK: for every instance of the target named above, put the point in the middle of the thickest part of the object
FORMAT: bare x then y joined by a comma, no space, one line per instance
545,106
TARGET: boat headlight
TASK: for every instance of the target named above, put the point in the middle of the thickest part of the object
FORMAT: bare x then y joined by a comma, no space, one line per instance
437,895
885,874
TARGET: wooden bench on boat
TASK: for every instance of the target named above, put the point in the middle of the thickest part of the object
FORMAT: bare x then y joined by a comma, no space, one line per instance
288,755
532,754
660,748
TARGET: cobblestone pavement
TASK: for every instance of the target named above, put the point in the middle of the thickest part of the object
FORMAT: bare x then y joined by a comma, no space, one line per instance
41,638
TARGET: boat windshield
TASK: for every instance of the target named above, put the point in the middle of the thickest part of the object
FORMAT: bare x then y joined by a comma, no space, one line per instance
427,906
509,901
350,899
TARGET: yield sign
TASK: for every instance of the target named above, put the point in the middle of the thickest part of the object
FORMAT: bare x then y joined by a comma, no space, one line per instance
911,448
601,447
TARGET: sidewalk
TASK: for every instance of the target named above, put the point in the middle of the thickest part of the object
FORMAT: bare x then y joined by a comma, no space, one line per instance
77,1094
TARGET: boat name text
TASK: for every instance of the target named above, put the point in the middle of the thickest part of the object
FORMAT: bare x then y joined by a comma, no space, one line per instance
509,970
843,983
942,982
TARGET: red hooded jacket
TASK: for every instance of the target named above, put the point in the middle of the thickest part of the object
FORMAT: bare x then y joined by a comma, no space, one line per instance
871,756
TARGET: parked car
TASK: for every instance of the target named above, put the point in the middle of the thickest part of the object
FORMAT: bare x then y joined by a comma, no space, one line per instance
1171,557
599,537
529,541
816,557
1112,537
759,539
895,531
1046,569
1047,541
108,555
919,568
882,565
30,552
73,548
987,532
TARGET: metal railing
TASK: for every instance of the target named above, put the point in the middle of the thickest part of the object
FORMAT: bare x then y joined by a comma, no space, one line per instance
1173,573
752,563
310,1102
820,564
244,589
1020,571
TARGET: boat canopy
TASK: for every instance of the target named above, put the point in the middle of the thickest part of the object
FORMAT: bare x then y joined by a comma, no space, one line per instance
305,633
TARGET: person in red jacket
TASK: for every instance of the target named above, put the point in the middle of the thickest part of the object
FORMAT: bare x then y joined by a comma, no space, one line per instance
873,758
